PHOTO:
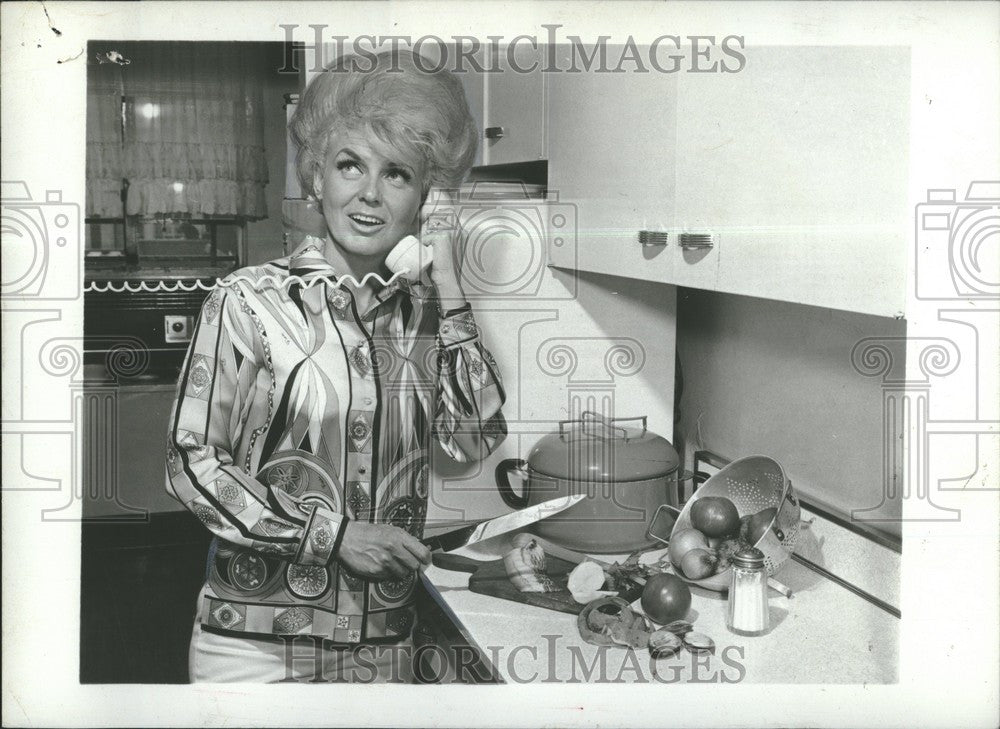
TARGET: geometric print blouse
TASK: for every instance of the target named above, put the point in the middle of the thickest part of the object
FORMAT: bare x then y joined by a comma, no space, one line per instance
295,413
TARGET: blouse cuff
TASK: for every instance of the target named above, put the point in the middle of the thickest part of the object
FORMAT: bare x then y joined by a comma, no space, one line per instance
323,535
458,327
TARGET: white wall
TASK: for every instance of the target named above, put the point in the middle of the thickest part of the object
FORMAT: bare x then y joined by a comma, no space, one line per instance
776,379
598,339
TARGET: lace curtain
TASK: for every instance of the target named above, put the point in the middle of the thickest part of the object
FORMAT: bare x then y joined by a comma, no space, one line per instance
189,138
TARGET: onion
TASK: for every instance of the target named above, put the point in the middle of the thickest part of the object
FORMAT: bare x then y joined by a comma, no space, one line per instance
585,583
525,567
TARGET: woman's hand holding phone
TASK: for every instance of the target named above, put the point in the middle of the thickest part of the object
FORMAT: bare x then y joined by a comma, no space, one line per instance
439,229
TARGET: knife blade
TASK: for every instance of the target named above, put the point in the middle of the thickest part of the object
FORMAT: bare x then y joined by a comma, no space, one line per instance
478,531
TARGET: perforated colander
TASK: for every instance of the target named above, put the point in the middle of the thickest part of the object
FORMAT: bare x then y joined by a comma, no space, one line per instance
753,484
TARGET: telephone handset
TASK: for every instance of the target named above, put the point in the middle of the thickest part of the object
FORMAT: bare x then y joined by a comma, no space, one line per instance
409,258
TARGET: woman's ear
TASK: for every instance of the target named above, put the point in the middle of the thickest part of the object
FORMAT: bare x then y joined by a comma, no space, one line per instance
317,182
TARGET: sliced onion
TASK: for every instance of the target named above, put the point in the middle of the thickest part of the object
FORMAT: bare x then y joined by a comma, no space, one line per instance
585,583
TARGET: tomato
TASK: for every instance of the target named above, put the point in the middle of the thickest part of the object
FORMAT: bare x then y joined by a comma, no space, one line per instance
665,598
715,516
759,524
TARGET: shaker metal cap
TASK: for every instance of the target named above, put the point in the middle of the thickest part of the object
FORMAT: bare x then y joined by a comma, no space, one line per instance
750,558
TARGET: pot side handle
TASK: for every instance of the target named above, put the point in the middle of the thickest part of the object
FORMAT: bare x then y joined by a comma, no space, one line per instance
502,474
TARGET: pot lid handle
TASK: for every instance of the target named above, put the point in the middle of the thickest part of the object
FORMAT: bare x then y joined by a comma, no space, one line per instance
589,416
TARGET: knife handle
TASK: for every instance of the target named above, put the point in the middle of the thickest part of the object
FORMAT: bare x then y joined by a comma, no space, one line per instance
455,562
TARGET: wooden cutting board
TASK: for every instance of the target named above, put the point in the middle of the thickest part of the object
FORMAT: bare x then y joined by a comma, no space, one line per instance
490,578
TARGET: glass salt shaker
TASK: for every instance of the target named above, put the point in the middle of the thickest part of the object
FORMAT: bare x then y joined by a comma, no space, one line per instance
747,613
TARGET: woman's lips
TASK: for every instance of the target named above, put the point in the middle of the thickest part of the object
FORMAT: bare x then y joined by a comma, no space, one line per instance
365,224
368,221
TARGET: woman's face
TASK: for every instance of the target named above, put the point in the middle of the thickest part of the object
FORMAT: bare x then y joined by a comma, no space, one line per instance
371,195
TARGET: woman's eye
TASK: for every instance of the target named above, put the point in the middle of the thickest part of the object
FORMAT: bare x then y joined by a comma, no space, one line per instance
349,167
398,176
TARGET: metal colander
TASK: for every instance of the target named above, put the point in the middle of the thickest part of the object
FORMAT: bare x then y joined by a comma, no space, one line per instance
753,483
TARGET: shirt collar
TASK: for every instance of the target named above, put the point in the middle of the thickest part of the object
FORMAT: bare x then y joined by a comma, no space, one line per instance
307,261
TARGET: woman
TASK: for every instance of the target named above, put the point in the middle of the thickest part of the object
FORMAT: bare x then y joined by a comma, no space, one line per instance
301,431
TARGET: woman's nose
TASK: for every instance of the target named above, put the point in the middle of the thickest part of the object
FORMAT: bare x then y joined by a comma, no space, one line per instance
370,192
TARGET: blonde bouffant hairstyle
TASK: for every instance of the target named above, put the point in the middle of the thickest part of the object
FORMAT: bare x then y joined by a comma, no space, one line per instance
418,110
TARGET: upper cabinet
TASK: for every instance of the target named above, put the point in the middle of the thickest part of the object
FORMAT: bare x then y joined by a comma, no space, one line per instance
786,179
514,111
611,150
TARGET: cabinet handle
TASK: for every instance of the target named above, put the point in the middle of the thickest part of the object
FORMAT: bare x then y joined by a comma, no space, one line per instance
493,132
653,237
689,241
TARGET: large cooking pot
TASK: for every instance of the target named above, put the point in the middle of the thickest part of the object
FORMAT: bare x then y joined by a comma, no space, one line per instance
626,472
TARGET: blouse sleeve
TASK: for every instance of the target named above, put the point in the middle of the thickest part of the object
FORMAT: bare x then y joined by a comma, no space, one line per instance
214,393
467,421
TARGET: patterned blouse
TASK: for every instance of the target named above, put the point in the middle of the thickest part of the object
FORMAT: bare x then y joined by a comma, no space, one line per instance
295,413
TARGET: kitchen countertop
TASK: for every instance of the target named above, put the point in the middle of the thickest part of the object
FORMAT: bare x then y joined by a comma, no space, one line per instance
823,634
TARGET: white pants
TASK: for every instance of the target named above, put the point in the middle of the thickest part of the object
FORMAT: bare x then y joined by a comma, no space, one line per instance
215,658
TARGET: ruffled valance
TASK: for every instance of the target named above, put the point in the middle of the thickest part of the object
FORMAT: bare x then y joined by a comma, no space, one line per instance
189,137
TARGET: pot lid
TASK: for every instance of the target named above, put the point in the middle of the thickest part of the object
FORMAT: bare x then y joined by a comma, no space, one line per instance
595,448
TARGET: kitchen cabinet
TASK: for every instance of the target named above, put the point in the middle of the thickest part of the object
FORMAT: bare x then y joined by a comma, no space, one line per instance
474,86
610,157
124,460
796,166
514,106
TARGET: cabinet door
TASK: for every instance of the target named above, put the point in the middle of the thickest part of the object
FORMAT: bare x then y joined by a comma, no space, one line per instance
515,105
611,149
473,83
798,165
124,444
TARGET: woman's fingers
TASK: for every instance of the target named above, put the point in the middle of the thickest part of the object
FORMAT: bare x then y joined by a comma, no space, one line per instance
438,210
439,224
418,550
440,229
406,560
382,551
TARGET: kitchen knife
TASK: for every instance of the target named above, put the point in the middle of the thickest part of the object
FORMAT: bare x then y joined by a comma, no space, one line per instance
478,531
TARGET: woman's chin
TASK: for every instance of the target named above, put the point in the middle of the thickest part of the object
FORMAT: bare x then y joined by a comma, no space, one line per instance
367,249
